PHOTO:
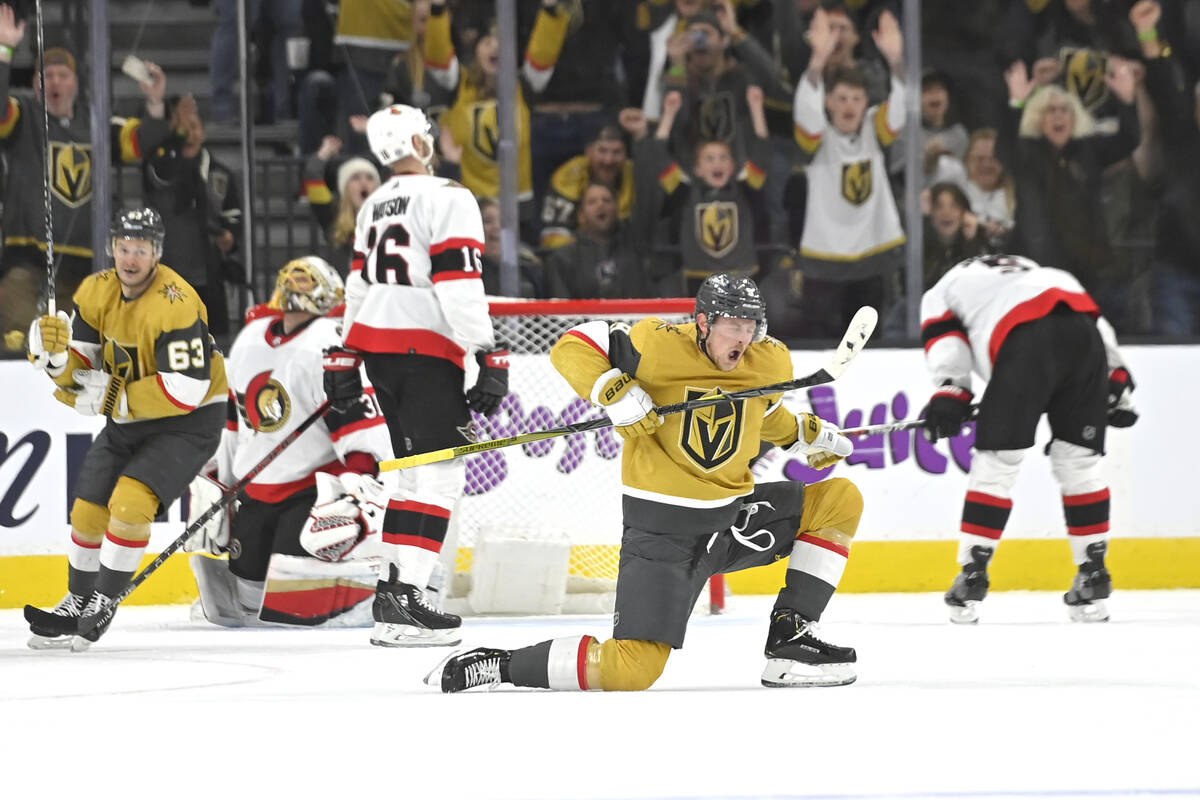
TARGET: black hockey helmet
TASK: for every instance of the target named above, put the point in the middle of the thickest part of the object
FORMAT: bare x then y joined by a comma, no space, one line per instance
723,295
139,223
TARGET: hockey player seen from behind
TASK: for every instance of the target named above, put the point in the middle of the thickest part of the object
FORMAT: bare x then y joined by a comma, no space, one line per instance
137,352
321,492
1037,338
691,509
416,316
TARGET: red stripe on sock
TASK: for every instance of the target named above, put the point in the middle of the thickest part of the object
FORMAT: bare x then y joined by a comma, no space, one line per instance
1087,530
419,508
414,541
989,500
1085,499
126,542
581,662
979,530
82,543
841,550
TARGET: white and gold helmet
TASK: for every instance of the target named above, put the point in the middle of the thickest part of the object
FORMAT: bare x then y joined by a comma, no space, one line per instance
309,284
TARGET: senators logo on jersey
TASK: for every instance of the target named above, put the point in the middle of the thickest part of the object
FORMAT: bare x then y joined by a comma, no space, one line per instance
71,172
265,405
857,182
710,436
717,227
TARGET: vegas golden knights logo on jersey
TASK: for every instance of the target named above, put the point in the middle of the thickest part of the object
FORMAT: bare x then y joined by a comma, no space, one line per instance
1083,72
265,406
716,118
717,227
71,172
485,129
857,182
121,360
710,436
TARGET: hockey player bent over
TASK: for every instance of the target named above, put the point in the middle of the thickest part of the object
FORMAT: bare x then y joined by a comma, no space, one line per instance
1039,341
137,352
691,509
320,491
415,313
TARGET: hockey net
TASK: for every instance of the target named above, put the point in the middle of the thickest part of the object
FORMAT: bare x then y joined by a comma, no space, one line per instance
565,487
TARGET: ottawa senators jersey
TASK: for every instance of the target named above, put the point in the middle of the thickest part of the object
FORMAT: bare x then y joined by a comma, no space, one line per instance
852,216
415,284
275,382
158,342
968,313
688,475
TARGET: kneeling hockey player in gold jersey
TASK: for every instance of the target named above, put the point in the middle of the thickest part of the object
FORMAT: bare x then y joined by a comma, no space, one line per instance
138,352
691,509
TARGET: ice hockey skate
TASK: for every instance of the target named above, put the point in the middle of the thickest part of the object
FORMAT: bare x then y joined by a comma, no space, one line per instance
405,618
1092,586
54,629
97,616
970,587
795,657
482,666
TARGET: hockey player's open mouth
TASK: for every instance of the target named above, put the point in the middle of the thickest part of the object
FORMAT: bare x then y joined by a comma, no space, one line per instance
734,355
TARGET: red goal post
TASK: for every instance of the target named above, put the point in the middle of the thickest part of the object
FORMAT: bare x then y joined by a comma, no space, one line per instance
569,486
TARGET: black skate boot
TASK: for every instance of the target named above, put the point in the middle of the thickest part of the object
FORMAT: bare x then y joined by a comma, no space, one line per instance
970,587
1092,586
56,628
404,618
94,621
482,666
795,657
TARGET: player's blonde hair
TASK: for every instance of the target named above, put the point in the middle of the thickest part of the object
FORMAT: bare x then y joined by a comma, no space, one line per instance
1035,107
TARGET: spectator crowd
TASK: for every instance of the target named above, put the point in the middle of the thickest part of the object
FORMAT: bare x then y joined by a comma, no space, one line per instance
660,141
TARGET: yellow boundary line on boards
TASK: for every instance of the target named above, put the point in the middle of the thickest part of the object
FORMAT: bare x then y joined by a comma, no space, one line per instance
910,566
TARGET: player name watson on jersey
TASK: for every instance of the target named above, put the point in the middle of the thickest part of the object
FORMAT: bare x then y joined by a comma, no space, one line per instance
159,342
688,475
276,382
415,284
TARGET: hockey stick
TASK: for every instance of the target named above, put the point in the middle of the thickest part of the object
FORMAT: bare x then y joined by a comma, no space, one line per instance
898,425
226,497
51,269
856,336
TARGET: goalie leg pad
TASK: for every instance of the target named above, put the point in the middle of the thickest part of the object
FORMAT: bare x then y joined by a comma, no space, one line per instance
219,593
304,591
213,536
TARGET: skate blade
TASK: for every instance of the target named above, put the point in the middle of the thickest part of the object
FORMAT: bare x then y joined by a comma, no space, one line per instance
966,614
388,634
79,644
434,678
37,642
1095,611
785,673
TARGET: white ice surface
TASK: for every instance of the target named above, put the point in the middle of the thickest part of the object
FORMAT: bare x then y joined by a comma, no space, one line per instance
1023,705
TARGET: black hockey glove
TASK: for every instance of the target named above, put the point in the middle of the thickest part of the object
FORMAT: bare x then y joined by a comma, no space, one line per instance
948,410
343,382
492,386
1120,408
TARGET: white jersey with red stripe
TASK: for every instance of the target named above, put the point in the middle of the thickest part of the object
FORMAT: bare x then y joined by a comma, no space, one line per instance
968,313
276,381
415,286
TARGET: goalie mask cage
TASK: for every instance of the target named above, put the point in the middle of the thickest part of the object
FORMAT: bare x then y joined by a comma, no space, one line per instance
569,486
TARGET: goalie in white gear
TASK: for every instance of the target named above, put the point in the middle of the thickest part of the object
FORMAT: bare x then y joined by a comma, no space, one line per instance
417,317
320,492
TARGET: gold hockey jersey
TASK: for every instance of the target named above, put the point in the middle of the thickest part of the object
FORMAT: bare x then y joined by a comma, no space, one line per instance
687,476
159,342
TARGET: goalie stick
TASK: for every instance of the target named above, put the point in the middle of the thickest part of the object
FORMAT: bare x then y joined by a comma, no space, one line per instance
228,495
859,331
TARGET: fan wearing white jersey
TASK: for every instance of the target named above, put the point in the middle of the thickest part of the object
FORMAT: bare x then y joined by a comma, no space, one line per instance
415,315
276,379
1037,337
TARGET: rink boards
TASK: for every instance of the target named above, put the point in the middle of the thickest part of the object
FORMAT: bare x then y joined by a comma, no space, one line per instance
913,490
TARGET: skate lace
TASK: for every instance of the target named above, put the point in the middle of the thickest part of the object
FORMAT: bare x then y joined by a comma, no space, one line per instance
807,630
96,605
69,606
482,672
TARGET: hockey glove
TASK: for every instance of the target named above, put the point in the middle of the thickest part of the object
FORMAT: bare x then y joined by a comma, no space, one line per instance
492,385
49,338
948,410
626,403
343,381
820,442
348,510
96,392
1121,413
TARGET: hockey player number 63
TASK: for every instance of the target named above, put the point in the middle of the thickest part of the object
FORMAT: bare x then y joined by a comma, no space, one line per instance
183,355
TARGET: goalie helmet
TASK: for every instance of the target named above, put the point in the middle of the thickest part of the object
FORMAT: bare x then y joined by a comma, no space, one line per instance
724,295
139,224
309,284
390,133
1002,261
